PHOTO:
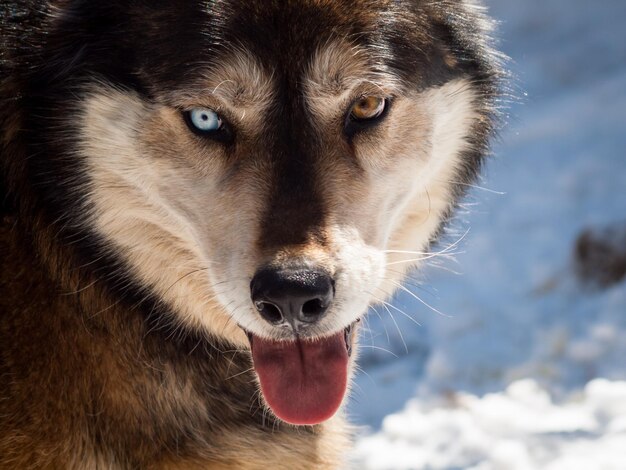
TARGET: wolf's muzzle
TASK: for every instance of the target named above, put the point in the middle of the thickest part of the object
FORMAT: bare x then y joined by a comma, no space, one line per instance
293,296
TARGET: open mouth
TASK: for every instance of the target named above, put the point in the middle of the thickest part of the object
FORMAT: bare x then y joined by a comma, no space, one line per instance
303,381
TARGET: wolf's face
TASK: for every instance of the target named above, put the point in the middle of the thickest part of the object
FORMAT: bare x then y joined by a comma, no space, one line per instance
268,171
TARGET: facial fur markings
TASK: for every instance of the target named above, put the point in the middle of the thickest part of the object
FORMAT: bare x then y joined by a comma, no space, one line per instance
157,234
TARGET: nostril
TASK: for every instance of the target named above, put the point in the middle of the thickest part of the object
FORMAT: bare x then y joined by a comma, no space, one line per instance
313,308
289,295
269,312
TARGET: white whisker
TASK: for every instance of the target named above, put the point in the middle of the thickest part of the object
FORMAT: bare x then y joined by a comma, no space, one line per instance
371,346
481,188
397,309
400,286
446,252
384,326
406,348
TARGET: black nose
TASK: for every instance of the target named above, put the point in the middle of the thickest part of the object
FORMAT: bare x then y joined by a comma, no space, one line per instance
291,295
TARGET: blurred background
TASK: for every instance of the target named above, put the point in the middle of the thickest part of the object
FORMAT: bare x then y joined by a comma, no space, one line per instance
512,356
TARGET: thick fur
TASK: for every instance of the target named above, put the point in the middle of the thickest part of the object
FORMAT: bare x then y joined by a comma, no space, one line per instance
127,243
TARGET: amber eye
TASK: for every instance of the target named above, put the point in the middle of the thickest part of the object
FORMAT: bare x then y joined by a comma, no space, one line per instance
368,107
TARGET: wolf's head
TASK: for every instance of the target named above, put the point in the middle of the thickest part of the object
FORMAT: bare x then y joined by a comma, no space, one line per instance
266,170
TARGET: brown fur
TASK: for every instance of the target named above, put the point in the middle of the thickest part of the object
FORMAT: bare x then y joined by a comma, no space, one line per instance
84,384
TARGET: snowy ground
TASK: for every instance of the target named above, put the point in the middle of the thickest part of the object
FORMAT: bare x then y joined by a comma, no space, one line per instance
525,367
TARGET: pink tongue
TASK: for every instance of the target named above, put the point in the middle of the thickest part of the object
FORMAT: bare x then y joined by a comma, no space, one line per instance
303,382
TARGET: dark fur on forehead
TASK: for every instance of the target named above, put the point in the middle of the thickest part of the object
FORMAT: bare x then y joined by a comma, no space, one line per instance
150,44
425,43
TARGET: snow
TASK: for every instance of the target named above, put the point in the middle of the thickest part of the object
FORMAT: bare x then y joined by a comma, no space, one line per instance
521,366
517,429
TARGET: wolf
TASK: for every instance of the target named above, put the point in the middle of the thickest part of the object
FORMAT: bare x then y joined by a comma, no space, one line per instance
200,200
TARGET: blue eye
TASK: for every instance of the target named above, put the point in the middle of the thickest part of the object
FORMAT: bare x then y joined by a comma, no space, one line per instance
207,123
205,119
